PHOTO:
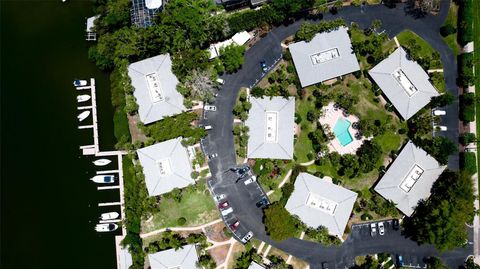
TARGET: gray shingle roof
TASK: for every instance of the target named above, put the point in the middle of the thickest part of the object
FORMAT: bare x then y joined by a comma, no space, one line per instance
306,186
258,145
184,258
173,156
149,110
345,62
389,185
406,105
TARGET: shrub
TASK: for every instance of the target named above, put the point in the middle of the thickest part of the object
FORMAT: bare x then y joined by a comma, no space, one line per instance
279,224
447,30
465,22
181,221
467,107
467,138
232,57
366,216
308,30
465,70
469,162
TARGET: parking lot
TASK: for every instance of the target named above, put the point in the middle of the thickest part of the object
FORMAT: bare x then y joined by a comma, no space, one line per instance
235,189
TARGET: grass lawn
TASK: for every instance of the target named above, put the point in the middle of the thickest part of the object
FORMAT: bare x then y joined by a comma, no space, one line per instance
476,34
425,49
303,145
197,207
451,40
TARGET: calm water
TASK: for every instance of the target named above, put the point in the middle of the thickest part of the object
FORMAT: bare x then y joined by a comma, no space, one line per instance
48,205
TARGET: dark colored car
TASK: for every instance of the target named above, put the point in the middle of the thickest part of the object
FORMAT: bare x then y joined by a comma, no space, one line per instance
235,225
396,224
263,65
263,202
223,205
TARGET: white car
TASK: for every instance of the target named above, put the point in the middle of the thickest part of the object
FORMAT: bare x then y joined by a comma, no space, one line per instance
219,197
210,108
226,211
381,228
250,180
208,127
438,112
441,128
247,237
220,81
373,229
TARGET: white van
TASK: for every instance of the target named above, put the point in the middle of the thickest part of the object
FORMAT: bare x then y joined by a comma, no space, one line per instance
208,127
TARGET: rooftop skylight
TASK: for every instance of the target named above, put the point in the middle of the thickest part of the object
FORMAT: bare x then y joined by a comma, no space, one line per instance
404,82
324,56
164,167
271,128
321,203
411,178
154,88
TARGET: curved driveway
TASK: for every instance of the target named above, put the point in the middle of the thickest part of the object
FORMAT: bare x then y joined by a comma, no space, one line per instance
220,139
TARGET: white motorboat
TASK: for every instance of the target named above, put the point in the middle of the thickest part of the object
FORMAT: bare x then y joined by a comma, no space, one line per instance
83,115
103,179
78,83
83,98
109,216
106,227
101,162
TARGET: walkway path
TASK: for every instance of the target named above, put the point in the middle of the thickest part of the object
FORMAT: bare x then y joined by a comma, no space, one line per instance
177,229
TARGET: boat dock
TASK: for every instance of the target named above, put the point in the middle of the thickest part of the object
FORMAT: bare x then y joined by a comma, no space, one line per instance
124,259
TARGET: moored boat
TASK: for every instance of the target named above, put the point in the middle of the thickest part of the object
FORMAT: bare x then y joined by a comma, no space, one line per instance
83,115
79,82
103,179
83,98
106,227
101,162
109,216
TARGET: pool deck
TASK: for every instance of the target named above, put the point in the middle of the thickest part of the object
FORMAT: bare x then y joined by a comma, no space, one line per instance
329,118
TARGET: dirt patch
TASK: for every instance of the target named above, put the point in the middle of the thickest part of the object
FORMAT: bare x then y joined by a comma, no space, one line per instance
219,254
215,232
136,133
236,252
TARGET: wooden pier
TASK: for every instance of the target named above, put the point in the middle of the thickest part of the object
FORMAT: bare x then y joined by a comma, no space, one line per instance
94,150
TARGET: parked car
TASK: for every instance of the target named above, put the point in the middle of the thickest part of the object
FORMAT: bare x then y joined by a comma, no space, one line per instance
373,229
395,224
400,260
212,156
381,228
441,128
263,202
247,237
227,211
438,112
220,81
324,265
210,108
250,180
263,65
223,205
235,225
219,197
208,127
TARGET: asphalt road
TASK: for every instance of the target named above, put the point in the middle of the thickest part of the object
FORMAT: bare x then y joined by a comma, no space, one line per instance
243,198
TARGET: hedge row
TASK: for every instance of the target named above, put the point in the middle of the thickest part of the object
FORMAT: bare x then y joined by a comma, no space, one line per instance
465,22
469,162
465,70
467,107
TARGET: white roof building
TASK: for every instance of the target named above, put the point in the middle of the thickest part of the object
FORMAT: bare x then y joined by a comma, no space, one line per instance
404,82
166,166
318,202
155,88
153,4
271,125
238,39
328,55
255,265
184,258
410,178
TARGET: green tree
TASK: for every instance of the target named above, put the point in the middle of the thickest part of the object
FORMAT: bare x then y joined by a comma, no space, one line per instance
279,224
232,57
440,148
435,263
441,219
368,155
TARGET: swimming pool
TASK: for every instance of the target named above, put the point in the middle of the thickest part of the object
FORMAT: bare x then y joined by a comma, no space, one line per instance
341,131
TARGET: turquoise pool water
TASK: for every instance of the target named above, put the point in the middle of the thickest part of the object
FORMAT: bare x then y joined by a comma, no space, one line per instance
341,131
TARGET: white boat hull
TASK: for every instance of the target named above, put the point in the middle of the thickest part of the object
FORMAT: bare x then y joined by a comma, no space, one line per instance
83,98
101,162
103,179
78,83
82,116
106,227
109,216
